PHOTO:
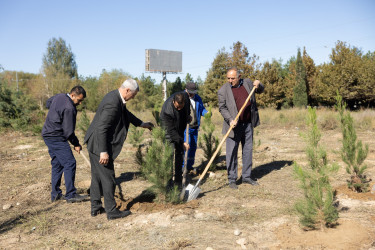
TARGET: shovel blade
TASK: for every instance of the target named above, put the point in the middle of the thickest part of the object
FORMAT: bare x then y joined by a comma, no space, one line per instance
192,192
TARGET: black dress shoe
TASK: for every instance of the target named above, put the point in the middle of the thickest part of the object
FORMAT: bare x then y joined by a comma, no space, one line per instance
96,212
77,198
59,197
118,214
251,182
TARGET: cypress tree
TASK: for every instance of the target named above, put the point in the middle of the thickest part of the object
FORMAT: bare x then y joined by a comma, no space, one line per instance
299,90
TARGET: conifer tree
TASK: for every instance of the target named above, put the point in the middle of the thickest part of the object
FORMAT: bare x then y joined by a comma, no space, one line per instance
135,135
216,77
207,141
353,152
299,90
84,122
317,209
157,166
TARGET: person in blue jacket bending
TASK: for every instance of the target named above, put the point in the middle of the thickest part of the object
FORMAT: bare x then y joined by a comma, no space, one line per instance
196,111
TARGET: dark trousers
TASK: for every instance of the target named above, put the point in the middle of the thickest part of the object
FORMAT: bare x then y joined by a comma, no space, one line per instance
102,181
178,161
62,161
243,133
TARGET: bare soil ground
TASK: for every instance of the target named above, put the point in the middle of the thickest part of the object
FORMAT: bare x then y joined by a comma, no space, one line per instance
262,216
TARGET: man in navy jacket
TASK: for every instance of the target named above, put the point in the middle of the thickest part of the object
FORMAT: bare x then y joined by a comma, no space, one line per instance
58,129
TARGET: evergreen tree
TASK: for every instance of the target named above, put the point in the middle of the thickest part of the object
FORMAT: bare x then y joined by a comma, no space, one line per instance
175,86
188,78
351,73
241,59
271,76
84,122
289,73
216,77
207,141
353,152
310,69
135,135
299,90
317,209
157,166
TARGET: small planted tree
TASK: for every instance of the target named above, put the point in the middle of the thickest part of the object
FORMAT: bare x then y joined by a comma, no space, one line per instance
135,135
157,165
317,208
208,142
353,152
84,122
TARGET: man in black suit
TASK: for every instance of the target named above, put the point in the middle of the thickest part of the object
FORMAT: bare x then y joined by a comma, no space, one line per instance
105,138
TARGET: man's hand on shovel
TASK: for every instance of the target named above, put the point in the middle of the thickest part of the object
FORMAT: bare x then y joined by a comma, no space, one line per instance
78,148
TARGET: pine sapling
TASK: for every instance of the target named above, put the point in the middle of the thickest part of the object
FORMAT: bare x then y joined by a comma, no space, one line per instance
157,166
208,142
84,122
135,135
317,208
353,152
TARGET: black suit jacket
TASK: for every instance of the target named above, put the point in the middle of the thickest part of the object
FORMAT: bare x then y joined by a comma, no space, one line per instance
108,130
173,121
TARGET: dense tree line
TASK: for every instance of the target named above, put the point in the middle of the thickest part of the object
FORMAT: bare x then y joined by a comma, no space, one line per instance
298,82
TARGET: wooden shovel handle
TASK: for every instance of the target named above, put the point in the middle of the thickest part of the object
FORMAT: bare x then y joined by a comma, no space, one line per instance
84,157
225,136
186,156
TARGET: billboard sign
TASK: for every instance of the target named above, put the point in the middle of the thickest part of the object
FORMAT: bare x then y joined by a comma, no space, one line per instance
163,61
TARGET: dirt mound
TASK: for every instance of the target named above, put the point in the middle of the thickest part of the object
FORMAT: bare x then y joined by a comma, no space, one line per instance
347,235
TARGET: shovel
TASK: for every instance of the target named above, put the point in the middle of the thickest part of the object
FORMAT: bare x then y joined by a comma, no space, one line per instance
183,192
192,192
86,160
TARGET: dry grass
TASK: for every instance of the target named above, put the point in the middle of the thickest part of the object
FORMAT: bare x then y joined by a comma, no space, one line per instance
25,178
176,244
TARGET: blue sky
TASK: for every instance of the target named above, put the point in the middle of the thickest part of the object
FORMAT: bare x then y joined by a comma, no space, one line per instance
114,34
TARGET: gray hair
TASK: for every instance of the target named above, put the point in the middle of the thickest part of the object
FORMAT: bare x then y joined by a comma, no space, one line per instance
130,84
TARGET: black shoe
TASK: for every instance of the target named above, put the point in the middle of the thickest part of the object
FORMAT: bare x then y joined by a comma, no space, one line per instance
118,214
251,182
96,212
59,197
233,185
77,198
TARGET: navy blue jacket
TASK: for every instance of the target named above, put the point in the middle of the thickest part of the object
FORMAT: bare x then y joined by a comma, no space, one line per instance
61,119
